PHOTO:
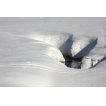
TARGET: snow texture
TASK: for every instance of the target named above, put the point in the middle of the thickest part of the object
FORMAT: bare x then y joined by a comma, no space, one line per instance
93,58
62,41
81,46
25,57
54,53
24,49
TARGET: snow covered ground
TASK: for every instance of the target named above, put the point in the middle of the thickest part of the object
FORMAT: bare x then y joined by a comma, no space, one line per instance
26,58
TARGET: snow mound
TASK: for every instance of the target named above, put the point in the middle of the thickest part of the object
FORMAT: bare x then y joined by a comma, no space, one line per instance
93,58
62,41
54,53
16,48
81,46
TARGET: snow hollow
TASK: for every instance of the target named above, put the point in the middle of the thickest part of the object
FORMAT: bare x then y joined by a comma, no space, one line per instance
34,51
73,49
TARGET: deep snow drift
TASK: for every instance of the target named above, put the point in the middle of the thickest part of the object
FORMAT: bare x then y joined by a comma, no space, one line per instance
94,57
28,55
82,46
63,41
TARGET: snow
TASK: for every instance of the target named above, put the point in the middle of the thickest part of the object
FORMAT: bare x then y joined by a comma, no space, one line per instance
28,55
82,46
62,41
22,50
94,57
54,53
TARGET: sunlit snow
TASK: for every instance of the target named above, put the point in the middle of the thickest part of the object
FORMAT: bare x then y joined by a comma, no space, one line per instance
32,49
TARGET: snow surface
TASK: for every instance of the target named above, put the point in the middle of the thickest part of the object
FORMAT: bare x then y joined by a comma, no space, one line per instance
63,42
82,46
93,58
25,59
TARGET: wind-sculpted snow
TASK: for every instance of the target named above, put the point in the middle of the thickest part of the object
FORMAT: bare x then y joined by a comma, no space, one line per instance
94,57
22,49
62,41
26,58
69,46
54,53
82,46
